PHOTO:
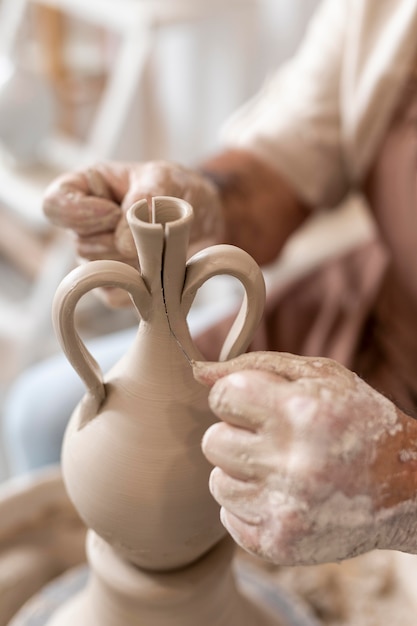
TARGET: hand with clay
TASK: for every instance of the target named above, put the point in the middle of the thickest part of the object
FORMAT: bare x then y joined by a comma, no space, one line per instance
93,204
311,464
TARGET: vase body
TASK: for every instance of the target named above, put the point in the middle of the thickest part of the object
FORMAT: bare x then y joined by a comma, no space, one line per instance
132,461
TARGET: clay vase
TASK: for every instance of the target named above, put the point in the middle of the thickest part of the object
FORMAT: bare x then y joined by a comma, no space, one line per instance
132,461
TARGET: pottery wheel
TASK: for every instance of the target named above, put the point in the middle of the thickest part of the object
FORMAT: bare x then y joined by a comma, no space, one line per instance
41,607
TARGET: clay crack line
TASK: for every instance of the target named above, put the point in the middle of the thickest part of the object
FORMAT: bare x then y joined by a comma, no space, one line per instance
190,361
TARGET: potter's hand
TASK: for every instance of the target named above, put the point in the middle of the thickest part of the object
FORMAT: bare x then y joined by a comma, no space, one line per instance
93,204
311,464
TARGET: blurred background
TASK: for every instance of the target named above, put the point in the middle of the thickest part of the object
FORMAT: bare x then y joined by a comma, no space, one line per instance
84,80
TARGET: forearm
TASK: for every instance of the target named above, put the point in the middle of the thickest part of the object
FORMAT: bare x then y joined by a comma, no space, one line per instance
260,209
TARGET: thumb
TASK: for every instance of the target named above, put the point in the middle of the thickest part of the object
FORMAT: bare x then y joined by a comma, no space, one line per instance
290,367
208,372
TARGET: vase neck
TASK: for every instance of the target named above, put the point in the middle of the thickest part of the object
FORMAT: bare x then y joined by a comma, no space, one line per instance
161,234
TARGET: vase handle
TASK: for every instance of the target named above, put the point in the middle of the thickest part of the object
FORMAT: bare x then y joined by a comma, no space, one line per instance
231,261
77,283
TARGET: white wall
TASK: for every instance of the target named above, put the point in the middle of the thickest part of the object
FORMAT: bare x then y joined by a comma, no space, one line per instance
202,71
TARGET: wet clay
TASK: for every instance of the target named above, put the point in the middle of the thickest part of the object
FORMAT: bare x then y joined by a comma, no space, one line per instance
132,461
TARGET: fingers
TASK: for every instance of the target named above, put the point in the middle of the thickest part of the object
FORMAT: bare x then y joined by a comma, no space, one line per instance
235,450
69,202
237,496
248,399
234,400
96,199
247,536
290,367
84,215
162,178
208,373
209,226
123,240
97,184
267,523
97,246
155,178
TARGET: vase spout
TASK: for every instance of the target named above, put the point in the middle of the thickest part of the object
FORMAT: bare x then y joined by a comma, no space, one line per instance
161,233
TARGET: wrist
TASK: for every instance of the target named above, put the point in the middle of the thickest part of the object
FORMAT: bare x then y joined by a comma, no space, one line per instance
260,209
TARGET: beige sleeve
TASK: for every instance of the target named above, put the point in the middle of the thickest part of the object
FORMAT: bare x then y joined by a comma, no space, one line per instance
294,121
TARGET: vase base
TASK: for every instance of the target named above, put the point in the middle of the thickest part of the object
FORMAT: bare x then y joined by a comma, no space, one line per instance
257,602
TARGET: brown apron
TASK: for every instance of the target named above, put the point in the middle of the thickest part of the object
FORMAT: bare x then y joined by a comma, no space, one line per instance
342,310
